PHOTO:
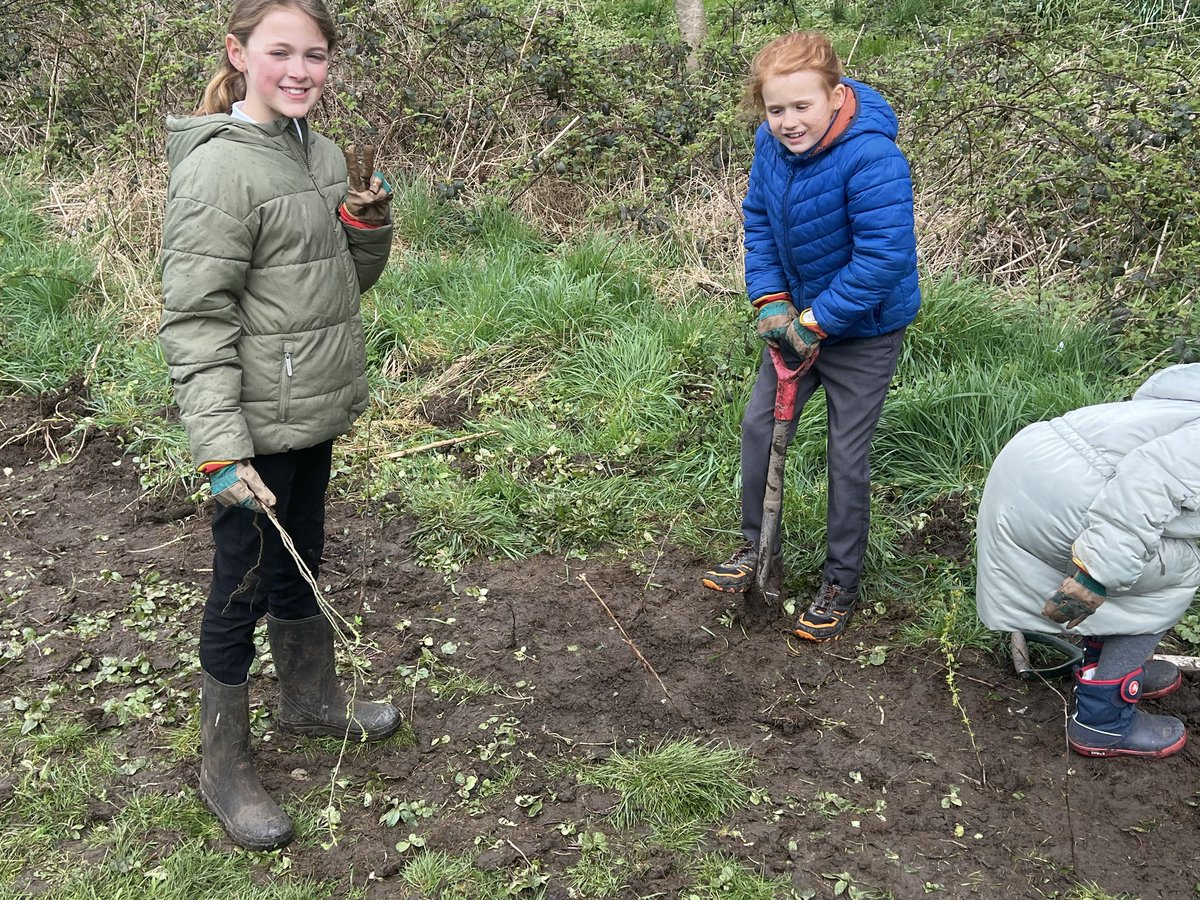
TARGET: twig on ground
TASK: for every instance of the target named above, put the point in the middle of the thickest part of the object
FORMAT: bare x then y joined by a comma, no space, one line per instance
661,550
626,638
943,667
433,446
174,540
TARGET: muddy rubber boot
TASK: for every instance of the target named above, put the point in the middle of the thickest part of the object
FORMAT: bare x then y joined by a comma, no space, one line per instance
311,699
1107,722
229,784
1159,677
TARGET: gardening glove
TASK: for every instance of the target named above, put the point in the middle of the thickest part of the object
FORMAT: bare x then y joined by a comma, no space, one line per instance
804,335
237,484
775,313
370,196
1077,597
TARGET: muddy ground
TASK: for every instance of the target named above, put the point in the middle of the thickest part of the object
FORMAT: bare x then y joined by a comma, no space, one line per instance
862,762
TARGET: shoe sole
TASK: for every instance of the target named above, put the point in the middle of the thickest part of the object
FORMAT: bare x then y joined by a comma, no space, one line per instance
354,734
724,589
1105,752
817,639
832,633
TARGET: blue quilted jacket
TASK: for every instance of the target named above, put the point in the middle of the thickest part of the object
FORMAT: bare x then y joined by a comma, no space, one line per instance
834,226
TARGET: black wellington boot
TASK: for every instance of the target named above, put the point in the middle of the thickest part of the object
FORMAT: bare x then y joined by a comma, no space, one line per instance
311,699
229,784
1107,722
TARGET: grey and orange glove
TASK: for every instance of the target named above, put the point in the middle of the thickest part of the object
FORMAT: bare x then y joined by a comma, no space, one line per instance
370,196
1077,597
238,484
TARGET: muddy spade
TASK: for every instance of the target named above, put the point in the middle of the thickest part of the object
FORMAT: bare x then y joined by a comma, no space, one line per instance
768,585
1066,656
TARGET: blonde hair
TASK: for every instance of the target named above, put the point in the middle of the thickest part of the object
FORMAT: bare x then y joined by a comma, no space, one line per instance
228,85
797,51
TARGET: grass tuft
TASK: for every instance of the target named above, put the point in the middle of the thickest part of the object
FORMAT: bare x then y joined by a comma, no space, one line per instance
674,784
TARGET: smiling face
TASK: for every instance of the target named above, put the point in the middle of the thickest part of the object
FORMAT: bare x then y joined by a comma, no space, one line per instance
285,61
799,107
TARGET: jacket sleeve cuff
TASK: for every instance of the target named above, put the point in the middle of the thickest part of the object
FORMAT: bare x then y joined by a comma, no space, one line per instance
348,219
809,321
771,298
1091,583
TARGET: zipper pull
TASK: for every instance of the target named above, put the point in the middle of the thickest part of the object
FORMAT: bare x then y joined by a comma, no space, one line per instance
287,363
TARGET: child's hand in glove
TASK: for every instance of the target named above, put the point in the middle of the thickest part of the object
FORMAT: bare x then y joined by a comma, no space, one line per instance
370,196
1077,597
238,484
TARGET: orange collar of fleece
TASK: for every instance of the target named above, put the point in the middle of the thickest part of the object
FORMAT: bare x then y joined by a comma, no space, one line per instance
841,121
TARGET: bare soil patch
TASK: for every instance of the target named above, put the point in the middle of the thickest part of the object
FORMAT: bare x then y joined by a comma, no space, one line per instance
863,762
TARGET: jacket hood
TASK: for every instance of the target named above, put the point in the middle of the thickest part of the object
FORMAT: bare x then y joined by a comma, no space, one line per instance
186,133
1180,382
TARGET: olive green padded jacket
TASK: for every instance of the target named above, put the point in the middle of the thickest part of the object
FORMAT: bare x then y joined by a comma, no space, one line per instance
261,326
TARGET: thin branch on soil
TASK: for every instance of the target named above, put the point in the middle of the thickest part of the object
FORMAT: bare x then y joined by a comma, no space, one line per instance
662,548
570,742
933,662
1066,711
433,446
175,540
24,434
626,638
512,612
367,532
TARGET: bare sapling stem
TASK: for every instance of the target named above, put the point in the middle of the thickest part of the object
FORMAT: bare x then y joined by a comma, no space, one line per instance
627,639
409,451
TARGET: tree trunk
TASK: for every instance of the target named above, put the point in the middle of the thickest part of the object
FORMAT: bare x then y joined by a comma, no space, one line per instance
692,27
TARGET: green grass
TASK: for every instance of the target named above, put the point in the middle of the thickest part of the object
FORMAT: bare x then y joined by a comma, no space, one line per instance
616,417
454,877
721,877
603,868
675,784
608,414
63,789
53,317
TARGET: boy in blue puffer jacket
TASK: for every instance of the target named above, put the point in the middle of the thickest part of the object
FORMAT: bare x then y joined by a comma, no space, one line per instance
831,267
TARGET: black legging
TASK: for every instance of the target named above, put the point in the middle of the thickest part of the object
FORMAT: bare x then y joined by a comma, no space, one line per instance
253,573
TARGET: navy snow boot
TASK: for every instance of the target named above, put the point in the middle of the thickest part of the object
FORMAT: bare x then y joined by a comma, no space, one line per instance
1107,722
1159,677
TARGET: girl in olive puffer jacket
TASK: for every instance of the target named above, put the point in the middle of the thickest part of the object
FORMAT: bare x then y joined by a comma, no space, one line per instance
265,253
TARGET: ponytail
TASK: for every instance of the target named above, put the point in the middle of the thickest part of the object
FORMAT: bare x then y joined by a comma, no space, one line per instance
225,88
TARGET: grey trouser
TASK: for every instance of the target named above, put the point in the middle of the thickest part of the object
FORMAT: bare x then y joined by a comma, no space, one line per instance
855,375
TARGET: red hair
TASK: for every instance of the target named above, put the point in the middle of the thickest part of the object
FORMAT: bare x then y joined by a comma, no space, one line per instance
797,51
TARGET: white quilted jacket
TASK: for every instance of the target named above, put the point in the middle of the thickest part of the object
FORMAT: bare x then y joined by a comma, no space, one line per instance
1117,487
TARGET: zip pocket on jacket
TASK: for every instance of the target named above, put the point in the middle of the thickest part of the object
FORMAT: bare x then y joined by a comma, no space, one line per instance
285,381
